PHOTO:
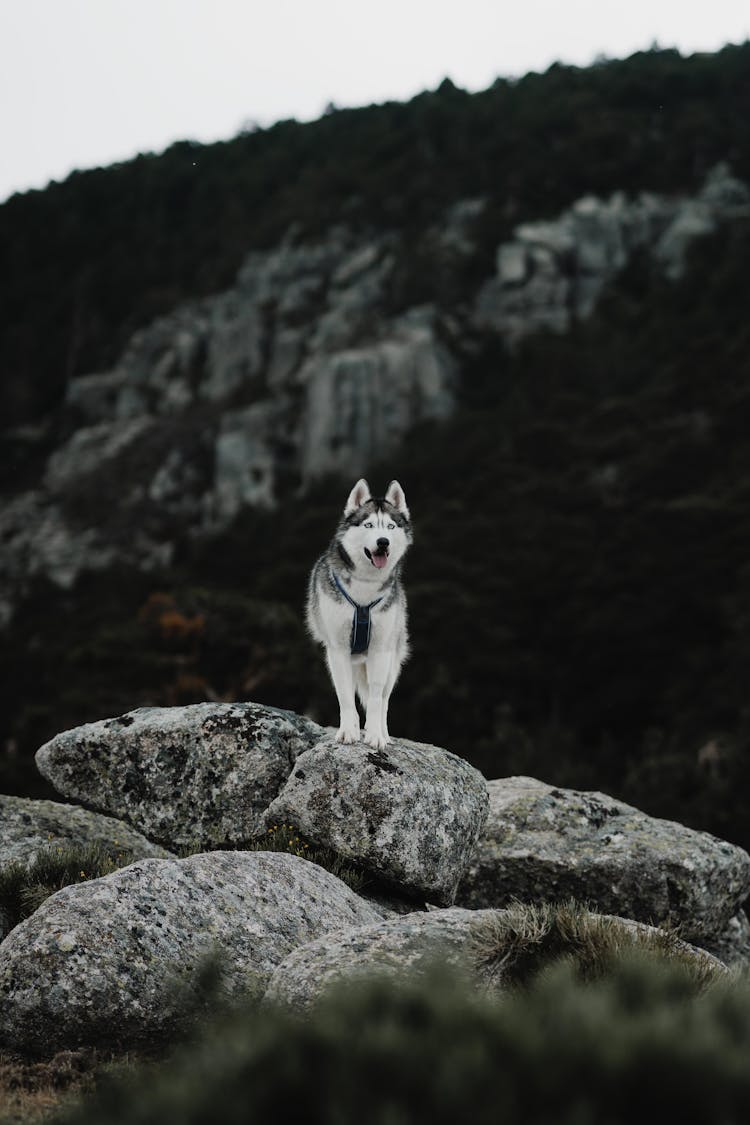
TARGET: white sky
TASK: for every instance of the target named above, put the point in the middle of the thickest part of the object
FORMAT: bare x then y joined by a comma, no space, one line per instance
88,82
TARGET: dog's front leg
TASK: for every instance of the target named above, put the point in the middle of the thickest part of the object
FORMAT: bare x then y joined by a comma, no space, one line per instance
393,671
378,670
340,667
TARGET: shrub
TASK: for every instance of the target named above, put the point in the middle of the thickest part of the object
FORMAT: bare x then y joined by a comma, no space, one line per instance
31,1089
636,1044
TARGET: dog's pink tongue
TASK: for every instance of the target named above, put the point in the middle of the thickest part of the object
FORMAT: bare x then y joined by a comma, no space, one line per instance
380,560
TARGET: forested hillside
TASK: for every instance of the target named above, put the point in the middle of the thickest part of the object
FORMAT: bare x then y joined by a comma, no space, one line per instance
579,589
87,261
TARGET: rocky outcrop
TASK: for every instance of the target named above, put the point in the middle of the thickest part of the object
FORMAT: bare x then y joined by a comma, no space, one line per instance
542,843
28,827
118,961
114,962
294,372
198,776
553,272
409,815
53,836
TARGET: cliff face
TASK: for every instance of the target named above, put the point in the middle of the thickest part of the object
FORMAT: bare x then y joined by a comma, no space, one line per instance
302,369
296,370
552,273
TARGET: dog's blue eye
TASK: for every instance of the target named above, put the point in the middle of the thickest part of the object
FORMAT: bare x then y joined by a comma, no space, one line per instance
391,526
368,525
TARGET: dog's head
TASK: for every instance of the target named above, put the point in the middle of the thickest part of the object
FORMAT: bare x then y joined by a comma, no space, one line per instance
375,531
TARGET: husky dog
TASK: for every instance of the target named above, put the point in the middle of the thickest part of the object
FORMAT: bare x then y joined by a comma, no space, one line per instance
356,607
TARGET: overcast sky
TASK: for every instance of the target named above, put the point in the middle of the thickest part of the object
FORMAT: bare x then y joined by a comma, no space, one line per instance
88,82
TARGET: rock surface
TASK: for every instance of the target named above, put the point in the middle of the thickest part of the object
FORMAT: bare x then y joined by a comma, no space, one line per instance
28,826
545,843
732,946
196,776
410,943
112,962
410,814
359,398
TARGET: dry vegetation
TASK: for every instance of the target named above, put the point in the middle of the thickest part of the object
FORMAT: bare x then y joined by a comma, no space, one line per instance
514,945
31,1090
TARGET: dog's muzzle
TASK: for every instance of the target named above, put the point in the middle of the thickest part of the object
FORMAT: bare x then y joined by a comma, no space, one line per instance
379,557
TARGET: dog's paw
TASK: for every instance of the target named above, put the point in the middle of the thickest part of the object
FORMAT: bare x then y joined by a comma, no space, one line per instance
376,739
348,733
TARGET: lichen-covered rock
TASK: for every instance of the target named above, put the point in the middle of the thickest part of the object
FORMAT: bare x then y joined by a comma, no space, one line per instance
414,944
197,776
28,826
112,962
410,814
408,943
542,843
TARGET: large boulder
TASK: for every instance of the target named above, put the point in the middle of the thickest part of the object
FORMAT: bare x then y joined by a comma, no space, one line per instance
492,946
28,827
195,777
114,962
409,815
543,843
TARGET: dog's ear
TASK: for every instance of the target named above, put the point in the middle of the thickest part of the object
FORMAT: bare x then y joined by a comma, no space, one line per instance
395,496
358,496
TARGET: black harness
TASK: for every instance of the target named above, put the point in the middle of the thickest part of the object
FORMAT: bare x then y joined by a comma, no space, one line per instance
361,623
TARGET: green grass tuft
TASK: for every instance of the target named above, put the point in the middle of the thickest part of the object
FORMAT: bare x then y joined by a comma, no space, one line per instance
286,838
516,944
24,887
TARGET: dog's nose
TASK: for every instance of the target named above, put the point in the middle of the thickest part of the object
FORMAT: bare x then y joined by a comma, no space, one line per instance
383,543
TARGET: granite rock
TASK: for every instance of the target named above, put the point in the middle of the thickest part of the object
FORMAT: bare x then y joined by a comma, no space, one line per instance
198,776
409,815
415,944
407,943
114,962
28,826
543,843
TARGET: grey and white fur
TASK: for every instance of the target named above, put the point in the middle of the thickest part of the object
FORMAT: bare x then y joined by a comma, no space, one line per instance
365,555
